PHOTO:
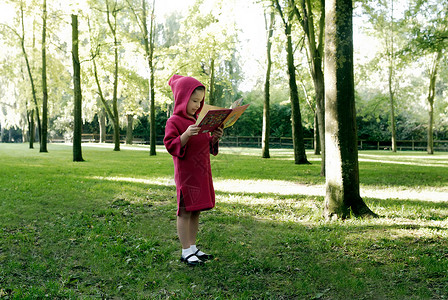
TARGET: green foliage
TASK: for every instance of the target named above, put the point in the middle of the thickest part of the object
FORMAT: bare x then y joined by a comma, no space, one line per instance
186,42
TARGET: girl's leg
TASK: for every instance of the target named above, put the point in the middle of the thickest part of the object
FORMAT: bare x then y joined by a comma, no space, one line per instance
184,221
183,227
194,227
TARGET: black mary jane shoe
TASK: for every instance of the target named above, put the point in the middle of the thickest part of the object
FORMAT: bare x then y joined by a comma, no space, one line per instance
191,263
203,257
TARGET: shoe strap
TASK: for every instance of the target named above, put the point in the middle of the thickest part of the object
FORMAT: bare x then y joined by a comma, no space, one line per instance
193,254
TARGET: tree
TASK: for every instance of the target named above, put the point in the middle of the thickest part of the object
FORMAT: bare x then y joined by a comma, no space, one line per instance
297,129
429,39
35,107
387,29
44,128
266,107
342,171
434,68
391,58
315,58
112,11
148,40
77,132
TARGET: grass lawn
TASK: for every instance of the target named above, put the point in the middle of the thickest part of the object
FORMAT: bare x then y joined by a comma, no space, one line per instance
105,228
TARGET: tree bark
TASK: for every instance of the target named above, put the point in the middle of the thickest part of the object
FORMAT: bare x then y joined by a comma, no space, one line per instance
116,119
129,129
392,119
266,107
297,130
77,130
102,124
430,99
212,99
317,148
150,53
31,129
44,129
342,171
315,51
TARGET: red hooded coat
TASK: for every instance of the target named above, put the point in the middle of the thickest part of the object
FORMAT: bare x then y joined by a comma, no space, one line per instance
192,171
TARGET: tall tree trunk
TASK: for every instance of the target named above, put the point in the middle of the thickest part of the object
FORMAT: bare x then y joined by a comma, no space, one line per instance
31,128
315,51
212,98
149,48
267,83
297,130
102,124
391,92
77,130
393,129
148,40
431,95
342,173
113,113
317,147
103,101
44,129
116,120
129,130
30,75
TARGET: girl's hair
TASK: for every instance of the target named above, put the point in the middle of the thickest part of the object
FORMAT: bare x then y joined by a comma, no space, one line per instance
199,88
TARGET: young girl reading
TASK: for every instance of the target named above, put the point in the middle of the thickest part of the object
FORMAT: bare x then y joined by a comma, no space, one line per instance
191,155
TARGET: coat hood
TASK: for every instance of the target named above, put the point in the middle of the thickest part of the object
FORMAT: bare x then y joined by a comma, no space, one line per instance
183,87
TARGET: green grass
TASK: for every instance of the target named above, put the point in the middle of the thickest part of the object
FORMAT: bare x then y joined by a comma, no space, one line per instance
68,231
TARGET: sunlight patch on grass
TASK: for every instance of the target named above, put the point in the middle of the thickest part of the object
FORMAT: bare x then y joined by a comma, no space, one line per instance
165,181
442,157
411,163
281,187
425,194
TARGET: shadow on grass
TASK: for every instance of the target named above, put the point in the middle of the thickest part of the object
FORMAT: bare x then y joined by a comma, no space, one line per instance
126,245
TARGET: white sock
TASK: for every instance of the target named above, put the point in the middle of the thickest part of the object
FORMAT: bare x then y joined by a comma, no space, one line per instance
194,249
186,252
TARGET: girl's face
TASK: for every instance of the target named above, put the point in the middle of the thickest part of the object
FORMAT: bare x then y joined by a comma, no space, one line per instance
195,102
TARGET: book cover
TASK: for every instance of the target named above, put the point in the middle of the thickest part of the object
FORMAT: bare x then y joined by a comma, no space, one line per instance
211,117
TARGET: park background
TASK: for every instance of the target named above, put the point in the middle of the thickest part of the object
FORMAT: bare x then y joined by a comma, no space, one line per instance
394,63
105,227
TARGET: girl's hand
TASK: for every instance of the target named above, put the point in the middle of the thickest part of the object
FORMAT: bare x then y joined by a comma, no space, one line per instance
192,130
218,132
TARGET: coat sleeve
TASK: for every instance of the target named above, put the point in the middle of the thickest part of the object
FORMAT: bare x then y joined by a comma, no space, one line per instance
172,140
214,146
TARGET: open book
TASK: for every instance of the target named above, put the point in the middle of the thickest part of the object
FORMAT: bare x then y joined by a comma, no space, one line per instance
211,117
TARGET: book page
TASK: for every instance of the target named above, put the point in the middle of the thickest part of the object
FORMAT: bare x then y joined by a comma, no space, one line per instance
234,115
205,110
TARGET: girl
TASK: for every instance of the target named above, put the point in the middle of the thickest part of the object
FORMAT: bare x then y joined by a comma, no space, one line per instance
191,155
